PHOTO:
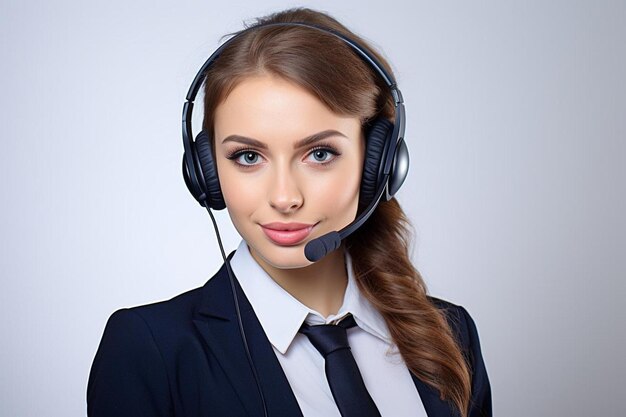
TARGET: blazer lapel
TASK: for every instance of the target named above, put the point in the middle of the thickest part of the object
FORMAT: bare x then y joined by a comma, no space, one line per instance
216,320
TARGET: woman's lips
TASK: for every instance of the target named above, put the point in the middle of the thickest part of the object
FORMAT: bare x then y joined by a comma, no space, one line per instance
287,237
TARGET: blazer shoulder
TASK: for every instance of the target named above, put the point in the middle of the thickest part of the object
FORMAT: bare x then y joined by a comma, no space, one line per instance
466,333
179,306
457,316
129,374
460,321
143,323
156,326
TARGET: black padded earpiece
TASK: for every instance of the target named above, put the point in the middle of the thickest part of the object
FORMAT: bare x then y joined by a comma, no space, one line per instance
215,199
376,142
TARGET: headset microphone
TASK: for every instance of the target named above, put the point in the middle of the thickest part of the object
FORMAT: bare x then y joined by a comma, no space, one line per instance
319,247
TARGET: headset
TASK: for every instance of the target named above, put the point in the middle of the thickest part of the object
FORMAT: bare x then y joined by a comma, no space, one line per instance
385,166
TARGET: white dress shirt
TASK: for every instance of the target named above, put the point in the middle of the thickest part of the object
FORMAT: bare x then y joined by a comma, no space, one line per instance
384,372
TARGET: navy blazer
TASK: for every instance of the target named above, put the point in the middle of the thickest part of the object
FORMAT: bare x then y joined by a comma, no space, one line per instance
185,357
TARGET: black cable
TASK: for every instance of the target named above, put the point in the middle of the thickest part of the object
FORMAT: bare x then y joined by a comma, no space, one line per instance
241,330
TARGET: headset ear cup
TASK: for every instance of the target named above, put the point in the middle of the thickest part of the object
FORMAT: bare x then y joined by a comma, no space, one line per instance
375,143
399,169
215,199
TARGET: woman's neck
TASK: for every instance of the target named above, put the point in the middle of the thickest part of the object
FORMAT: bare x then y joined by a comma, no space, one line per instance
320,286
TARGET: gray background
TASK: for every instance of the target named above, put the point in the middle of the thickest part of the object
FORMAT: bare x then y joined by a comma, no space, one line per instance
517,134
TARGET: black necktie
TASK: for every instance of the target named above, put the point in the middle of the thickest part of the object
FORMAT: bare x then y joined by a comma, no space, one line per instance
344,378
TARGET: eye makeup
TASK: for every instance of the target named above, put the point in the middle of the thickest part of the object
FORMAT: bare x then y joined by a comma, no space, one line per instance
236,153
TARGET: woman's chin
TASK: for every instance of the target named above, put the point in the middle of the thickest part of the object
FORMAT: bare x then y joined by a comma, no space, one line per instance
282,257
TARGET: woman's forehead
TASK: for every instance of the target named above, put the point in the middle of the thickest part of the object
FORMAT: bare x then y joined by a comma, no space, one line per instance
267,107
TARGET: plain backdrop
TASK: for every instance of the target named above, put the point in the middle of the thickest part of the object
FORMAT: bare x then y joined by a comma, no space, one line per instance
516,128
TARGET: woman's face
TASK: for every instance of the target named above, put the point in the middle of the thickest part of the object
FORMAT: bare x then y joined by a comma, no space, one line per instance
284,157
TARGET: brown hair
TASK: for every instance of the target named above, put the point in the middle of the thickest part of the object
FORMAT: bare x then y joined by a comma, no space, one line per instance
330,69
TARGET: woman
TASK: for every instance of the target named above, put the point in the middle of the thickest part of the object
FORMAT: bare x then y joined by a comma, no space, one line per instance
289,111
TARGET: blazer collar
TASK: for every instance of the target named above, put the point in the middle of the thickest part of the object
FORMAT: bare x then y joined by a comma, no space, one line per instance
216,320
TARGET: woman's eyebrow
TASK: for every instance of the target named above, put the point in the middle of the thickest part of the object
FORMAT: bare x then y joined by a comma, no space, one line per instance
301,143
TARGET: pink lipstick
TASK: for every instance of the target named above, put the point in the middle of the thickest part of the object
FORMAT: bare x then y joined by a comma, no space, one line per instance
287,234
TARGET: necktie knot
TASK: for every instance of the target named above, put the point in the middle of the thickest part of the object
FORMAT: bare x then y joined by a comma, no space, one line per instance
328,338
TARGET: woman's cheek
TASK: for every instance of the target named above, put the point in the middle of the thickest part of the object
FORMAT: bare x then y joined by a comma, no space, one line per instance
239,196
348,191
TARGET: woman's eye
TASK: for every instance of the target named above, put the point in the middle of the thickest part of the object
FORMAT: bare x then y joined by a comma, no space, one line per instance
245,158
323,155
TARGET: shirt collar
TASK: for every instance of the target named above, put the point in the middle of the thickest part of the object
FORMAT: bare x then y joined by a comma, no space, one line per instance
281,314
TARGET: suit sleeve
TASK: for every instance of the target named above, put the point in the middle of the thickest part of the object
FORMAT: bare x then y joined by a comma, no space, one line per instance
128,376
480,405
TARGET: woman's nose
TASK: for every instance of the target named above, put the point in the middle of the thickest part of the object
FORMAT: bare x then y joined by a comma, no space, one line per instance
285,195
